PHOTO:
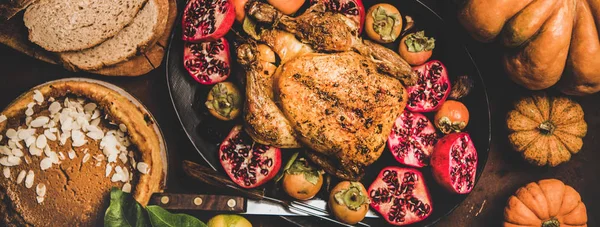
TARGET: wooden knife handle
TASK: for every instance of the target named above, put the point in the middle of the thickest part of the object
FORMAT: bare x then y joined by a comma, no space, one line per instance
217,203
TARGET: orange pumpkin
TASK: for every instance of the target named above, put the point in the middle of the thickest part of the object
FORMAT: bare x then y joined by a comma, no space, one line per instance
546,203
548,42
547,130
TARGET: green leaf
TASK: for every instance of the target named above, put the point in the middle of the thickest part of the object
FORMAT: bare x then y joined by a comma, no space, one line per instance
160,217
124,211
417,42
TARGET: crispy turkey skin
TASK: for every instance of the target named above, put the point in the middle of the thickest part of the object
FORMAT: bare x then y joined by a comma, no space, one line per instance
340,106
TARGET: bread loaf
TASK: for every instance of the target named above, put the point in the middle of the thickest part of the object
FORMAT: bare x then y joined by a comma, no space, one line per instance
136,38
70,25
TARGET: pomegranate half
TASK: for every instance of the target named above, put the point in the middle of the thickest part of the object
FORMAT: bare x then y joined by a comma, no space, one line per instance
401,196
208,62
412,139
247,163
454,162
432,88
207,20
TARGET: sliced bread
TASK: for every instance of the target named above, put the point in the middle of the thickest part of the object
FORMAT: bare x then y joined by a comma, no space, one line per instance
70,25
142,33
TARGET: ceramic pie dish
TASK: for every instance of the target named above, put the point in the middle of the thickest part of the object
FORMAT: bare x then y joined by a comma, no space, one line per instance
66,143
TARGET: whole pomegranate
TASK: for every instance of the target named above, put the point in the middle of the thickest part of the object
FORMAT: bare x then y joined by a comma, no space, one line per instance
247,163
401,196
412,138
454,162
432,88
208,62
353,9
207,20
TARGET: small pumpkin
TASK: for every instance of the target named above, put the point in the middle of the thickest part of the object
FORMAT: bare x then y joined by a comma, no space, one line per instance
547,130
546,203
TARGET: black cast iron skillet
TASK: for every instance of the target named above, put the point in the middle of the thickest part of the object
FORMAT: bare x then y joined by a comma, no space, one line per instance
206,132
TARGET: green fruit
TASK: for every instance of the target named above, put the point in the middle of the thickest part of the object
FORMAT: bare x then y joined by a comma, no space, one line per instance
228,220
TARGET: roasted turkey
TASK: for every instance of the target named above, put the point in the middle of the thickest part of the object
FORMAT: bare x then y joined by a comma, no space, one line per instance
338,101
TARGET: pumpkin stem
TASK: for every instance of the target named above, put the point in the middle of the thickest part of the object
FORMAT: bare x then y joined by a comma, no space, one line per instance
551,223
546,127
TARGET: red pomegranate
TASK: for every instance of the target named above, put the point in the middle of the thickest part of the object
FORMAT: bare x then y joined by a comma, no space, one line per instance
207,20
208,62
412,138
401,196
432,88
454,163
247,163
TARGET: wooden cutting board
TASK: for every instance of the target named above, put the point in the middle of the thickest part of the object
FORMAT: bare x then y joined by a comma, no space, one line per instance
14,34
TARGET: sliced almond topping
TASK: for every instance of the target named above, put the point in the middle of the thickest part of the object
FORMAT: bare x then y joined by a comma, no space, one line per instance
40,190
96,115
29,179
21,176
125,177
41,142
64,136
72,154
61,156
126,188
39,122
95,135
2,118
25,133
51,99
27,159
86,157
66,125
122,127
11,133
95,122
54,108
29,141
17,152
37,96
123,158
6,172
116,177
109,169
143,167
5,150
39,199
90,107
19,145
28,120
33,150
29,112
49,135
10,161
46,163
54,157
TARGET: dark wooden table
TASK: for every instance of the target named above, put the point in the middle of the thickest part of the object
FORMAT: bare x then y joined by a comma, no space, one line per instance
505,171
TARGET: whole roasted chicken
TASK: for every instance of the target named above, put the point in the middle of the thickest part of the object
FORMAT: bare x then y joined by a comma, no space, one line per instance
333,93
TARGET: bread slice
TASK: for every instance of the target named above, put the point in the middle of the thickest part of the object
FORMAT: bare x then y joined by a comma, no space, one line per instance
8,8
70,25
133,39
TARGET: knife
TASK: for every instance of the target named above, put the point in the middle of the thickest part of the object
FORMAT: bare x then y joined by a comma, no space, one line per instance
234,204
255,200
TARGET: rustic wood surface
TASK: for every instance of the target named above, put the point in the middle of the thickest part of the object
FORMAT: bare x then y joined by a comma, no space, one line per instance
505,171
